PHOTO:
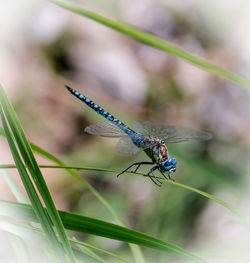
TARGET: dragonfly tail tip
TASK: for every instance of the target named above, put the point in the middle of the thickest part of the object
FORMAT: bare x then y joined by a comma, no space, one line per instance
67,87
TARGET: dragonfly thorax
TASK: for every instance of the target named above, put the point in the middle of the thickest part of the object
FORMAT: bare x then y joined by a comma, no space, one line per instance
161,157
157,149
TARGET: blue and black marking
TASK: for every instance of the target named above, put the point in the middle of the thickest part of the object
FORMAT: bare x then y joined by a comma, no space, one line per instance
101,111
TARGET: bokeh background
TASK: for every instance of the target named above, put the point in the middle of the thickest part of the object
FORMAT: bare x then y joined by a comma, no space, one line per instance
43,47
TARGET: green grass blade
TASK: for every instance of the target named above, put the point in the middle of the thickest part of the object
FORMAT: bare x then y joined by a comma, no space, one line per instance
30,162
20,197
101,228
88,252
25,232
35,201
44,153
135,250
154,41
31,232
68,167
99,250
228,206
234,210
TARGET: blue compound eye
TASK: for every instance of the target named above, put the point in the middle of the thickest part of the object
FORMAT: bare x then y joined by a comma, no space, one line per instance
172,161
168,162
169,165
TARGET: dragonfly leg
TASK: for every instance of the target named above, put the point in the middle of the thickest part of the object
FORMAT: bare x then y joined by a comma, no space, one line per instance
151,175
138,165
163,175
141,164
168,177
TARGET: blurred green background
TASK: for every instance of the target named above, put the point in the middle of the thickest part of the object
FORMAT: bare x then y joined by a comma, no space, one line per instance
43,47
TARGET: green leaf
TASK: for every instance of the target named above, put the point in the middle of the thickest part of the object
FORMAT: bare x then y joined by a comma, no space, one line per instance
154,41
14,131
101,228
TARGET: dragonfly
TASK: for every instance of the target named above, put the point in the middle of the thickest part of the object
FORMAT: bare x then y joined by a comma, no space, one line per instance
148,136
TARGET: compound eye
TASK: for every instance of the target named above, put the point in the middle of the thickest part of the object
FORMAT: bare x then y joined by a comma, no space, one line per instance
169,161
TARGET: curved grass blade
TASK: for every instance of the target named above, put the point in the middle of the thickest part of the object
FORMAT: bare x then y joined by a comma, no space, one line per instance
88,252
154,41
101,228
16,191
234,210
138,256
99,250
30,161
135,250
31,232
35,201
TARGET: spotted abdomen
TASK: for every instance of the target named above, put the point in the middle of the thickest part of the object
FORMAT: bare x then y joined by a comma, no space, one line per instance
101,111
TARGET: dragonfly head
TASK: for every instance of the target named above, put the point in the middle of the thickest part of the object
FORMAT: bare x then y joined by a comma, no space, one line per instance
169,165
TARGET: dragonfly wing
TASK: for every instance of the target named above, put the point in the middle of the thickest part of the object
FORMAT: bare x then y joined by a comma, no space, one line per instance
105,129
171,134
126,146
148,128
180,134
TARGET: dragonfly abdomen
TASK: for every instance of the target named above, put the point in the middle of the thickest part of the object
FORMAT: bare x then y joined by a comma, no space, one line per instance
101,111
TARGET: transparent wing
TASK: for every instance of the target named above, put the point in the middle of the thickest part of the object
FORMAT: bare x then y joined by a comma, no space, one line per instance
148,128
126,146
170,134
105,129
